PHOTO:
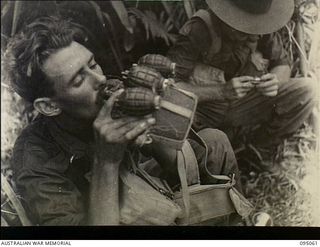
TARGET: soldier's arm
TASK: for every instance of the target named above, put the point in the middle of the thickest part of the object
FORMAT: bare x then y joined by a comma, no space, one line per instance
214,92
187,49
234,89
282,72
111,139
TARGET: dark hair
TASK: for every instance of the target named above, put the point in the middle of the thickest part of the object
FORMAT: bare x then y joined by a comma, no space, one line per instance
27,51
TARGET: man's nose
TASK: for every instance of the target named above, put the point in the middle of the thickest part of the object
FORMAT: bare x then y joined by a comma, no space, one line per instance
99,79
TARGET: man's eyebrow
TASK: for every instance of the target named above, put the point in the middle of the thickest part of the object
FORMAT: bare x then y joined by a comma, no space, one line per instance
80,70
91,58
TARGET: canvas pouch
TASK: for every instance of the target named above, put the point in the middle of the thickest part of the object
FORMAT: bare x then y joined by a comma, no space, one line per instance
147,200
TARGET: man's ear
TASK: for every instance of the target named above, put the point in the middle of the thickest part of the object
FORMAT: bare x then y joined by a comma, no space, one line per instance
47,107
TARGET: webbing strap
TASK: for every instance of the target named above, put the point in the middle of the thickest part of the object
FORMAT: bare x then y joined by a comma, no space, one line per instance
180,110
6,187
196,137
184,185
164,189
188,173
191,164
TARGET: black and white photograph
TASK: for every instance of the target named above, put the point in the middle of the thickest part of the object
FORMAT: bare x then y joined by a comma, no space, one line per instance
160,113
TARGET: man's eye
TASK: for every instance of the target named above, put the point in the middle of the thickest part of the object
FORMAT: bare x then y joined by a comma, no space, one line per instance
93,66
78,80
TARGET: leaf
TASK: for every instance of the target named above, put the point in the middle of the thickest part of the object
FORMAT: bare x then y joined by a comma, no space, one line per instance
140,15
176,13
114,48
167,7
155,27
256,152
5,9
98,12
257,167
122,14
189,8
171,14
129,41
16,15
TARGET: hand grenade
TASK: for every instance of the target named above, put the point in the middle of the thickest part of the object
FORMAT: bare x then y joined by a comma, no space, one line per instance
161,63
137,101
145,77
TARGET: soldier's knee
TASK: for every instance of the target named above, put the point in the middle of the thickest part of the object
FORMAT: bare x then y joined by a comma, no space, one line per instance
214,135
306,87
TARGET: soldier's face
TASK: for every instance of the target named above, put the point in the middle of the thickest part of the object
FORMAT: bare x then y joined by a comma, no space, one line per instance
77,79
234,34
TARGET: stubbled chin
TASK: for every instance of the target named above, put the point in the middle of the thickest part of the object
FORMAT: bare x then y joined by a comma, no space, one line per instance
91,115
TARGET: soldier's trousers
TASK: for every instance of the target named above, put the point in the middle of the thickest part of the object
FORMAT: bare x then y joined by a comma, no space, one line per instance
221,159
281,115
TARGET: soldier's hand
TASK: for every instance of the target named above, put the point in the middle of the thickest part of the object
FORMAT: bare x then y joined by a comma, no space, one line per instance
238,87
113,135
269,85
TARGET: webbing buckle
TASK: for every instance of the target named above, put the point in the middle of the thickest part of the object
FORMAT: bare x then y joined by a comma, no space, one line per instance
166,194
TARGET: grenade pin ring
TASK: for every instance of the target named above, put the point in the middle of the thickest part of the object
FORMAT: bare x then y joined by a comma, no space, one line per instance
148,139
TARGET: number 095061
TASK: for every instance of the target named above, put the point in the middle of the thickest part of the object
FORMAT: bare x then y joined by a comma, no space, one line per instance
309,243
